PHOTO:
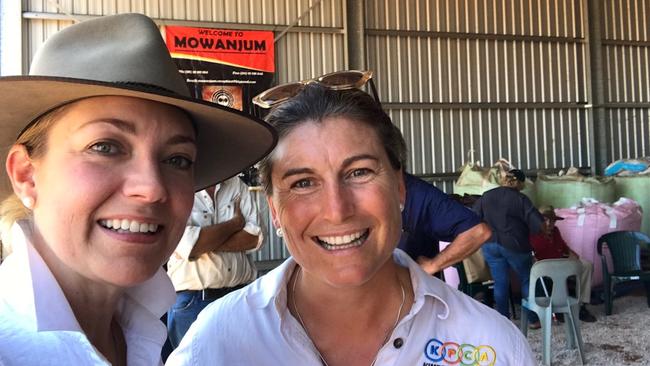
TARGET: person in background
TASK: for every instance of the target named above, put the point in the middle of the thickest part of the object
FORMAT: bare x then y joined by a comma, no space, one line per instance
430,215
512,217
211,258
549,244
347,295
104,149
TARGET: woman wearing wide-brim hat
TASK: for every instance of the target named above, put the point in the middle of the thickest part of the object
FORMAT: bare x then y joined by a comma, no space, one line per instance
104,149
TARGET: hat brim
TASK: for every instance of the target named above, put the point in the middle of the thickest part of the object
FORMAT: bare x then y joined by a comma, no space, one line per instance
553,217
228,141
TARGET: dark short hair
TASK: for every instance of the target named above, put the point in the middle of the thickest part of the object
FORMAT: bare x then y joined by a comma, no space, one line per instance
517,174
316,103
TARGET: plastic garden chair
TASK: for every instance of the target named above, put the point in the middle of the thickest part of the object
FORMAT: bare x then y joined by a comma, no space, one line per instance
554,299
625,250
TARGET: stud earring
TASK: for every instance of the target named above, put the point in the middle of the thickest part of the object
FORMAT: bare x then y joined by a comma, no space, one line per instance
28,202
279,232
401,207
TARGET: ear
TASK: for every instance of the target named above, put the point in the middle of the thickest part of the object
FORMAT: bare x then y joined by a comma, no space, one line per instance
274,214
20,169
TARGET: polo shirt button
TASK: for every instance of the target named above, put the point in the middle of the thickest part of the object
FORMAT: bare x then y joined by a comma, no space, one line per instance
398,342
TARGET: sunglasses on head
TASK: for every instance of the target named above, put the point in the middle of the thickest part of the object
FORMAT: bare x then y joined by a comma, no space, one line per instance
338,80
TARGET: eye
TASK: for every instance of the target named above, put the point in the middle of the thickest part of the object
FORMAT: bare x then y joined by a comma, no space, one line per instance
180,162
361,172
302,184
105,148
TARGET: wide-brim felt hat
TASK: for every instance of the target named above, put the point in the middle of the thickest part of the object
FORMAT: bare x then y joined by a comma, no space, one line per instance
548,211
125,55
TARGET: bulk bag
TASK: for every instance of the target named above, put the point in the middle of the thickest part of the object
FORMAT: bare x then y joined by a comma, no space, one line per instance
475,180
636,187
567,190
584,223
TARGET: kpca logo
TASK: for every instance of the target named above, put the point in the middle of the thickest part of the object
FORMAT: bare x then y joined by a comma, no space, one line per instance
452,353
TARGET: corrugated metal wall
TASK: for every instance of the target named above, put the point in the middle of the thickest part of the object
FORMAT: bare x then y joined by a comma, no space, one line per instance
314,45
463,79
481,80
626,60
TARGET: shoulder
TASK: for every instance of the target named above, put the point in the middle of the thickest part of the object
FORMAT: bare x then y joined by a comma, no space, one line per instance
418,186
473,323
234,183
226,311
225,327
216,328
54,347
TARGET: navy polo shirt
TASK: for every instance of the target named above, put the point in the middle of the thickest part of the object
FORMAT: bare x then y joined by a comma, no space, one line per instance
512,217
431,215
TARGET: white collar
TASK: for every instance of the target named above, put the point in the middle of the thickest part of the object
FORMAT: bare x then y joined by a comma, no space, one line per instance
34,292
272,286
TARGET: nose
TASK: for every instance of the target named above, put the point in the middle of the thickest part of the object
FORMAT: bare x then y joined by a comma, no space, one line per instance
338,203
144,181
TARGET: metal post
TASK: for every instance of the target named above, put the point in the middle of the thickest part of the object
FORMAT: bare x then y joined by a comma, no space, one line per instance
356,34
600,124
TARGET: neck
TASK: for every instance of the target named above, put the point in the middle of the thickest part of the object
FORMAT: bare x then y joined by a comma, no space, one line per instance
365,300
350,325
94,304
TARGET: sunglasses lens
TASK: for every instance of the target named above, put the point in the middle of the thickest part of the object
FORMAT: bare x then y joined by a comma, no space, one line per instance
343,79
278,94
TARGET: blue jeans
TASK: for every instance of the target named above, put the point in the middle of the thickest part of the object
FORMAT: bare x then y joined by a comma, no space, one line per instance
184,312
500,260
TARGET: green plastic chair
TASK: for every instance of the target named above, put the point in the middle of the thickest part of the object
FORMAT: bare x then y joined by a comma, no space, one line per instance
555,300
474,288
625,250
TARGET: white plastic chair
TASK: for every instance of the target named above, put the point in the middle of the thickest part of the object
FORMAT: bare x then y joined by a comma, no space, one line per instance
558,301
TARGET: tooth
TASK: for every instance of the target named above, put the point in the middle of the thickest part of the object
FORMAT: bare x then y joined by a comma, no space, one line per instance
153,228
104,223
134,227
125,224
144,228
116,224
347,238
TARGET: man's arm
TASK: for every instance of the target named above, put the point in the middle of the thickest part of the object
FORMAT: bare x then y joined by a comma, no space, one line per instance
213,237
462,246
240,241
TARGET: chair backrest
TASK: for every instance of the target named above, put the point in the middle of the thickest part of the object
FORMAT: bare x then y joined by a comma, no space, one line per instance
558,271
462,276
624,248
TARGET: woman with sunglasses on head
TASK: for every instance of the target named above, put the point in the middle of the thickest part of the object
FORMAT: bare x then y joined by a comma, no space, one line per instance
105,151
346,296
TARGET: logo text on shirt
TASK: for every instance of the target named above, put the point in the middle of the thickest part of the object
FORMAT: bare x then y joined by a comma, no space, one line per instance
452,353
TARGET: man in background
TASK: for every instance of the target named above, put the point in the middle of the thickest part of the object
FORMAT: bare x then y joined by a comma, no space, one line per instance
211,259
549,244
430,215
512,217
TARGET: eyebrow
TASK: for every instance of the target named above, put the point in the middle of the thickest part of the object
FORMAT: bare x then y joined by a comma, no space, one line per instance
347,162
120,124
129,127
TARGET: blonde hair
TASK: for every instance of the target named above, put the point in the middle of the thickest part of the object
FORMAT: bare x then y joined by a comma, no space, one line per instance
34,138
11,210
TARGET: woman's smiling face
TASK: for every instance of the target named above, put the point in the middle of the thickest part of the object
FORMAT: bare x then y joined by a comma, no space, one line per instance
114,188
336,197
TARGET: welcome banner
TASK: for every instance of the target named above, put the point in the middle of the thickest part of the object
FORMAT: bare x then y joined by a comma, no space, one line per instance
224,66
